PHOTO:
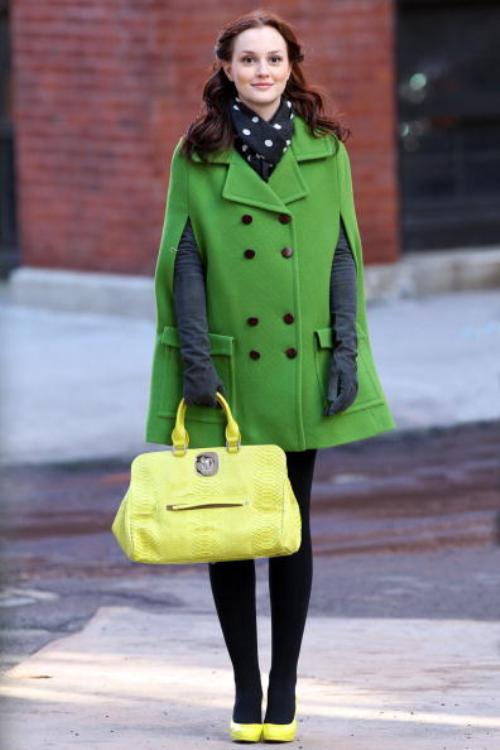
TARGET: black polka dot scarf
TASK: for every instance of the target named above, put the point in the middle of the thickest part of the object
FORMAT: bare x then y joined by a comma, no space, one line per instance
261,142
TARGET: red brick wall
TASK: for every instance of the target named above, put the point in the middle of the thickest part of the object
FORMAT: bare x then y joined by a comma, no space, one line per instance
103,90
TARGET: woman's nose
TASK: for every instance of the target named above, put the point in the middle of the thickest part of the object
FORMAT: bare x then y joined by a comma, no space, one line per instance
262,68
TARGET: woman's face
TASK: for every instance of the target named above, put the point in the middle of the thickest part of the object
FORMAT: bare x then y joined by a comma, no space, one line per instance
260,56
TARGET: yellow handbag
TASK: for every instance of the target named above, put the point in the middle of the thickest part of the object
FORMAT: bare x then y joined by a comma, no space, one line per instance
190,505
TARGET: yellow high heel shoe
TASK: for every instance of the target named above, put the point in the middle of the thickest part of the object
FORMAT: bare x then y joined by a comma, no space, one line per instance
280,732
245,732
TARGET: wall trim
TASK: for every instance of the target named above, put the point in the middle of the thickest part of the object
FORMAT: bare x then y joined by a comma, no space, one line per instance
415,275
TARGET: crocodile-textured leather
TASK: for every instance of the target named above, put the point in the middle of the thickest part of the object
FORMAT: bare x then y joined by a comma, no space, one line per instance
261,518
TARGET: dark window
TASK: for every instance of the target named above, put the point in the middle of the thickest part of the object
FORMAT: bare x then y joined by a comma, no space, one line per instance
449,123
8,238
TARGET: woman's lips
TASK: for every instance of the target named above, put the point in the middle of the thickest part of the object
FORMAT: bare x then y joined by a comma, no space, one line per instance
262,85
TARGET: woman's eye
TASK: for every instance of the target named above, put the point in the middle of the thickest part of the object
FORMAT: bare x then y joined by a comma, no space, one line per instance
274,57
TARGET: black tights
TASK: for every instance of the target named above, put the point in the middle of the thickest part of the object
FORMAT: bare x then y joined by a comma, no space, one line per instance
290,580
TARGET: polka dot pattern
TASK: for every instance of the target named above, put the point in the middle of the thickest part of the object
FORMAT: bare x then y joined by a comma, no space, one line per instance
260,141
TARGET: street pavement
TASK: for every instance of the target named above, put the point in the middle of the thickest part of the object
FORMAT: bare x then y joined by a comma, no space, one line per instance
75,386
401,644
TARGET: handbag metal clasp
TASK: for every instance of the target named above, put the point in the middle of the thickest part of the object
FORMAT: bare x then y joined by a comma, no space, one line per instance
207,463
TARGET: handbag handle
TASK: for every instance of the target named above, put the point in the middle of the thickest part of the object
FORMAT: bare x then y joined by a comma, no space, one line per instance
180,436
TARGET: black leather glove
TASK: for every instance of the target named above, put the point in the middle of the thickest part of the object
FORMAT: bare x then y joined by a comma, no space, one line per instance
200,377
342,379
201,381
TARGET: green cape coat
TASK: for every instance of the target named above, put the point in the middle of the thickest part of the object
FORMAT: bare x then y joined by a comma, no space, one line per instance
275,373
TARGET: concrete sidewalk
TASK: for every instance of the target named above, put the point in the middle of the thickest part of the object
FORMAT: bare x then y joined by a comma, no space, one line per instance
75,386
148,680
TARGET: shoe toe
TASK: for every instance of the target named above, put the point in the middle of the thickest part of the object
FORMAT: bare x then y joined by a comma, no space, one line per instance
280,732
245,732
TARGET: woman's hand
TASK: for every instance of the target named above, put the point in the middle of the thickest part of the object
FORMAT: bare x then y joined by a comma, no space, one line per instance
201,381
342,383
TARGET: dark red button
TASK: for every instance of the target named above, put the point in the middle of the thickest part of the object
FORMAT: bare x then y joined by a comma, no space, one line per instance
291,352
247,219
249,253
254,354
252,321
284,218
287,252
288,318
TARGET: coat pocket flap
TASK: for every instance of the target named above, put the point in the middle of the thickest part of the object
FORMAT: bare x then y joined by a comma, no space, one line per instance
325,336
219,343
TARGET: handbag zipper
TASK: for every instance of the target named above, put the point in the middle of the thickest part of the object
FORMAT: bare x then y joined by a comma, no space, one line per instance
196,504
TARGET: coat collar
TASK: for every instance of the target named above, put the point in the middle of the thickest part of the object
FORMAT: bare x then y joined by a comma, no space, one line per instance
286,183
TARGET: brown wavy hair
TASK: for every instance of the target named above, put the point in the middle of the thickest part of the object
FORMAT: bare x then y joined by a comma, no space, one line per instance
212,129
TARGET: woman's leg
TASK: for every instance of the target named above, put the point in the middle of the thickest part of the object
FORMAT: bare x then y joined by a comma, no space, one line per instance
233,589
290,582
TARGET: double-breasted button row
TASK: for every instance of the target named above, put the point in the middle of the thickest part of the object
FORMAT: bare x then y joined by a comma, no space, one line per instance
286,252
291,352
287,317
283,218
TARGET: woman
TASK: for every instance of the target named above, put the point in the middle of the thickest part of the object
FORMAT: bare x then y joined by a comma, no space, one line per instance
260,294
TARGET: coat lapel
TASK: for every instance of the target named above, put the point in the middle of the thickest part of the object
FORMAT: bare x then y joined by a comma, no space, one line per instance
286,183
244,185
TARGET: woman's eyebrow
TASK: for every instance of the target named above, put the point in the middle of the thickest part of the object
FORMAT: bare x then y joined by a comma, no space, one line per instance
253,53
